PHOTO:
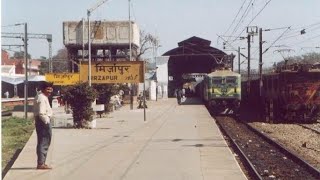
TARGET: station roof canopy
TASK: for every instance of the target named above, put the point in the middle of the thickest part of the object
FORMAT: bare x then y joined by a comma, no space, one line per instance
195,55
195,46
20,79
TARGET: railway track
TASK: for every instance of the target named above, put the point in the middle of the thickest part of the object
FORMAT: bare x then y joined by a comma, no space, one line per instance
315,127
264,158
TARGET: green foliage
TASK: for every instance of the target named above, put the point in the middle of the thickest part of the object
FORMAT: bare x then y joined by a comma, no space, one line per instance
43,58
58,66
20,55
80,98
60,62
308,58
15,134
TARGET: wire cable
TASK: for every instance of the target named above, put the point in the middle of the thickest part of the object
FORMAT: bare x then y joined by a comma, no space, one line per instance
235,17
241,19
311,38
276,40
255,16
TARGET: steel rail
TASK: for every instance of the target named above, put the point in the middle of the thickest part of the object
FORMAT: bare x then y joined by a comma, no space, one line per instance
314,171
251,168
309,128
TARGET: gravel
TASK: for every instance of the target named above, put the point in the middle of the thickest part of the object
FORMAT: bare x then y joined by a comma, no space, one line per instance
268,160
299,140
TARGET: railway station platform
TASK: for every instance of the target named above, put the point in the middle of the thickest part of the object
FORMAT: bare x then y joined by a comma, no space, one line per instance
176,142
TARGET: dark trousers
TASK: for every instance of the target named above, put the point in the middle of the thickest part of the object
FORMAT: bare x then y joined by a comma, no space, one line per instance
179,100
44,134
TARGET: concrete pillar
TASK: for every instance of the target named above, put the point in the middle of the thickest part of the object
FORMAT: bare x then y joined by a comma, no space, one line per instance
152,91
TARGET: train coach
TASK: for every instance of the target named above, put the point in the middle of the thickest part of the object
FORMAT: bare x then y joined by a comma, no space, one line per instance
221,91
290,95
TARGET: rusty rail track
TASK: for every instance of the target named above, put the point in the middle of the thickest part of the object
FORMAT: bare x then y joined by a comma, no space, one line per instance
315,130
289,153
236,147
267,162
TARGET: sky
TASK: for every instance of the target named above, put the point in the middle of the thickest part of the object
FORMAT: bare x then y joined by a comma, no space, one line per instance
173,21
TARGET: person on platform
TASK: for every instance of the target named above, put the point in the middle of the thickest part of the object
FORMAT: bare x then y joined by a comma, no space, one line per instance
179,95
142,102
118,103
42,115
6,94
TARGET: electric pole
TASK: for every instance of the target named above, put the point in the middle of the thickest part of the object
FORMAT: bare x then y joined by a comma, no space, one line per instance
130,55
249,46
260,61
26,70
89,11
48,37
239,59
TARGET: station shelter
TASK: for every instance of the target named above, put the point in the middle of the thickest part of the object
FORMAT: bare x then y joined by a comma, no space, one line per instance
193,58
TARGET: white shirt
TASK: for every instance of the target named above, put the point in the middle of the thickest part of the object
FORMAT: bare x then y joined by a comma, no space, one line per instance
42,108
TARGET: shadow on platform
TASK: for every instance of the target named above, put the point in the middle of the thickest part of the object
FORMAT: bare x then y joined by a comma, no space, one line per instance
192,101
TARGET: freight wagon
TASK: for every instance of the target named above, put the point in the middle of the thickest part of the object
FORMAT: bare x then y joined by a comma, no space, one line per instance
286,96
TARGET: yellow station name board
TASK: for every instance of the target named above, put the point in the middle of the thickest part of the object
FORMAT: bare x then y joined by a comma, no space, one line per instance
113,72
63,78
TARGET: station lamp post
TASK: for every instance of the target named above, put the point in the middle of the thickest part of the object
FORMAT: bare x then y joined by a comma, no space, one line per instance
89,11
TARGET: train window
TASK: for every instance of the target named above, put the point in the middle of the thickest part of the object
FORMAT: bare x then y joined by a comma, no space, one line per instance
231,80
217,80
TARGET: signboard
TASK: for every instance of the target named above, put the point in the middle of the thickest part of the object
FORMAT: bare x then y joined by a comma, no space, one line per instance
113,72
63,78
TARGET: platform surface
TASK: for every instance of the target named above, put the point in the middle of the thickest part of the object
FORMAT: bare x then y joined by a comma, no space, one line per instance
176,142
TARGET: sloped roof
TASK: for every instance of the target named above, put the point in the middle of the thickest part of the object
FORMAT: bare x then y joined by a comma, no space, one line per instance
195,46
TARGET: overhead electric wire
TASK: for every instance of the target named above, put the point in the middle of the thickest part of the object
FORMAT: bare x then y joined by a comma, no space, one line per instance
291,34
241,19
235,17
276,40
12,25
295,41
231,46
306,27
314,37
275,29
255,17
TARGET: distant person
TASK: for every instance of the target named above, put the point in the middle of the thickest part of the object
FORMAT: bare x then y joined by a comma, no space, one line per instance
43,114
183,92
179,95
188,91
141,101
6,94
118,103
121,93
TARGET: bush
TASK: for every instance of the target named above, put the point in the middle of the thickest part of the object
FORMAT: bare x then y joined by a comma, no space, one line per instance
80,98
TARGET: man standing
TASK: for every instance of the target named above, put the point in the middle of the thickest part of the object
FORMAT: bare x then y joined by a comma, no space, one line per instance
43,114
179,95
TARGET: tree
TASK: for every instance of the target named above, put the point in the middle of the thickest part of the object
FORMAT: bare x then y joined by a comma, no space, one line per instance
61,54
44,67
20,55
147,42
43,58
305,59
60,62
